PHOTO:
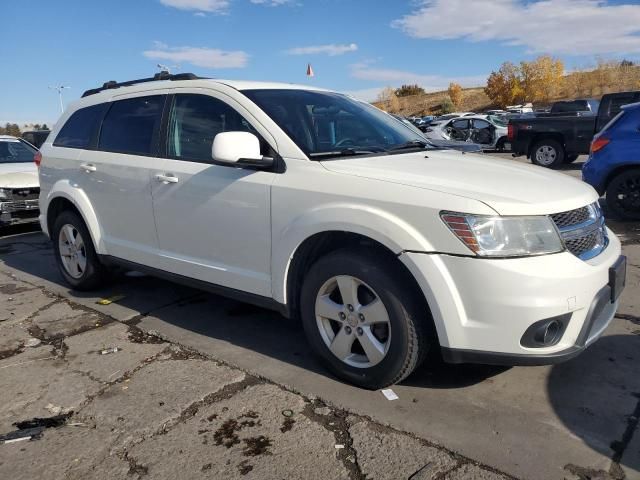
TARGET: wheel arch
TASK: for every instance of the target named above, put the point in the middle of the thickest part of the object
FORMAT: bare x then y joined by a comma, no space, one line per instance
63,197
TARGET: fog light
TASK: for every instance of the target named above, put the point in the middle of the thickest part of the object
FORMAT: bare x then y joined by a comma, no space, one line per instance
545,333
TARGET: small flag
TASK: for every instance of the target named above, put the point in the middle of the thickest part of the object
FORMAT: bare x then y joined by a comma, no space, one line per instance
309,70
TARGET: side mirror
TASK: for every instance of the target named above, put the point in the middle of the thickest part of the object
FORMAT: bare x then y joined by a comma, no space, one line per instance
241,149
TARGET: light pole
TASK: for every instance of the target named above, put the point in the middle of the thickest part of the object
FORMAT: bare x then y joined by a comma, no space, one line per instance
59,89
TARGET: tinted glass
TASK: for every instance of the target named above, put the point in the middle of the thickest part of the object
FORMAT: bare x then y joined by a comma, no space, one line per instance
80,127
326,123
130,125
194,122
460,124
480,123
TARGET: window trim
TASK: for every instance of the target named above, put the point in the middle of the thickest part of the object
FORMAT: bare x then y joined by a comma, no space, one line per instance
155,136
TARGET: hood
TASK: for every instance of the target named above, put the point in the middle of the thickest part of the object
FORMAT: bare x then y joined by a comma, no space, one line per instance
510,188
18,175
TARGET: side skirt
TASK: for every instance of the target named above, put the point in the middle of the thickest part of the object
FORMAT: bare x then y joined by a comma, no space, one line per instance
239,295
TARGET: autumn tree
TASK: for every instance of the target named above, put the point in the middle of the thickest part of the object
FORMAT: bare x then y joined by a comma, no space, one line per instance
504,87
455,93
408,90
389,100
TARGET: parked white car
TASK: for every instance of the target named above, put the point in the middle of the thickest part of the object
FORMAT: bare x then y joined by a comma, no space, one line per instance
311,203
486,130
19,187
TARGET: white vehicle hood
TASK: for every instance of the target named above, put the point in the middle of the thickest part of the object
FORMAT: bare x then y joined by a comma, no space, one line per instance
510,188
18,175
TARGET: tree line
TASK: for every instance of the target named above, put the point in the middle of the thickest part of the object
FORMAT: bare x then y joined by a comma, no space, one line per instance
13,129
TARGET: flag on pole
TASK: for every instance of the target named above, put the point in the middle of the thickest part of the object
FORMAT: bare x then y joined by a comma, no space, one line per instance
309,70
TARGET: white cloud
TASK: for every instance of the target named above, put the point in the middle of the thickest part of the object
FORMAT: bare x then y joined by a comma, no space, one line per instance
332,49
271,3
574,27
213,6
368,71
366,94
200,57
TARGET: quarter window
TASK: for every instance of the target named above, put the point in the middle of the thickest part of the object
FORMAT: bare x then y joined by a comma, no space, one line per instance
79,129
131,125
194,122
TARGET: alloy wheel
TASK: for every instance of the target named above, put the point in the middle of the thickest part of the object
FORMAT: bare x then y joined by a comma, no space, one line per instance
627,195
73,253
353,321
546,155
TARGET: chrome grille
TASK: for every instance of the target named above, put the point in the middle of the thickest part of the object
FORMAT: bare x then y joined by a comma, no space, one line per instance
571,217
18,205
582,230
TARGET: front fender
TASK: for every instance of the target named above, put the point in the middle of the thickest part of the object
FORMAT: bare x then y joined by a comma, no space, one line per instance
64,189
376,224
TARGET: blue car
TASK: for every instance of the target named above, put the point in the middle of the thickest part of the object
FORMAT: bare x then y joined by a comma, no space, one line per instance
613,166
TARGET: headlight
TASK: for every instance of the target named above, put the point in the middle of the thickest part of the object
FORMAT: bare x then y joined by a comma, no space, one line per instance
4,193
505,236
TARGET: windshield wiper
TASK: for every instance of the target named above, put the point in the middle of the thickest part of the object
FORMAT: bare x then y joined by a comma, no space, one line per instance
410,145
345,152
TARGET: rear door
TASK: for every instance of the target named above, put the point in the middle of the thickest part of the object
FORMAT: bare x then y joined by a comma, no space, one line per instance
117,176
482,132
213,221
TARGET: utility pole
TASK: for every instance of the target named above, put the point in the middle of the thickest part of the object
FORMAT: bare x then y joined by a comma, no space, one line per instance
59,89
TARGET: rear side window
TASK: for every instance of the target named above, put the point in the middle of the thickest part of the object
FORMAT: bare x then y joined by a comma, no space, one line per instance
131,126
80,127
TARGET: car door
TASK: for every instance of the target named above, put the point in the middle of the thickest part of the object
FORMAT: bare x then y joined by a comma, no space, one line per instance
457,129
482,132
213,221
117,176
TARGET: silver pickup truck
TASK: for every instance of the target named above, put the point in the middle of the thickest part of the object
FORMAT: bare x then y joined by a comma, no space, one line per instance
19,186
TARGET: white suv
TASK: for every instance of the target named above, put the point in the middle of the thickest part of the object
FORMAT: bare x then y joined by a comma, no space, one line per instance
325,208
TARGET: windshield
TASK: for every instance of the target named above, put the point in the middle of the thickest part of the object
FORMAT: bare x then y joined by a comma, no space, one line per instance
326,124
499,121
15,151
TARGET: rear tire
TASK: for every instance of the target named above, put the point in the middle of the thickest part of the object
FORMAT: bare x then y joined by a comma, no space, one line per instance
548,153
75,254
348,324
623,195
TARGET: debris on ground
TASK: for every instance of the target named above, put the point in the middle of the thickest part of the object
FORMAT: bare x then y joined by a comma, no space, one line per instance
109,350
110,300
32,429
389,394
32,342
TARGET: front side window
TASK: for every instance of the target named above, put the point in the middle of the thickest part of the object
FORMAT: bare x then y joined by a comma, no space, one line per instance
194,122
131,125
80,127
325,124
16,151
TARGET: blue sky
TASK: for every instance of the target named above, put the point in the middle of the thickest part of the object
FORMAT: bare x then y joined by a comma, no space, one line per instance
359,46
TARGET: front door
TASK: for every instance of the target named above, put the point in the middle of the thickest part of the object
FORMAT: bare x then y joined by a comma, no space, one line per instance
213,221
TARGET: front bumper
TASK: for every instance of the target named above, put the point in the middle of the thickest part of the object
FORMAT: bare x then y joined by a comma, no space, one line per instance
18,212
483,307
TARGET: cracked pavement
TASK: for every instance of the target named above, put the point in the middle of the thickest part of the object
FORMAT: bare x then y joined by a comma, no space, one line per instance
205,387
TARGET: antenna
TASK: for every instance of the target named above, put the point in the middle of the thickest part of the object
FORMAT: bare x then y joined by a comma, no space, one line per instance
59,89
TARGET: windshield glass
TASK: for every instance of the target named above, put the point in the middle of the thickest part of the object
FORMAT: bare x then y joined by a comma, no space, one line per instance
325,124
496,120
14,151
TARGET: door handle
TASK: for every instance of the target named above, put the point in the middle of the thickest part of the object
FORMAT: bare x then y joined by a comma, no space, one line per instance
166,178
88,167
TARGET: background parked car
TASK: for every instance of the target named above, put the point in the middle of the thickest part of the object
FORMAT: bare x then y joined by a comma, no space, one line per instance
19,187
487,130
614,163
552,140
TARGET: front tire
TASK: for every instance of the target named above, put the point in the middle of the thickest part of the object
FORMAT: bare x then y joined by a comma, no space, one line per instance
548,153
75,254
623,195
367,327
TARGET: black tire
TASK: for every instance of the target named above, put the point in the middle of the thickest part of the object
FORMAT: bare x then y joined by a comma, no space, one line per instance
410,323
570,158
623,195
554,157
500,144
94,274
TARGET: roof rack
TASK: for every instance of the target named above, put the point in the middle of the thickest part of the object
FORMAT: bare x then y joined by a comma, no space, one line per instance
158,76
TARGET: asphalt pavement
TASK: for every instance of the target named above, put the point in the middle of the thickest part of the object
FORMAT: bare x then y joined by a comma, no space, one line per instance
576,420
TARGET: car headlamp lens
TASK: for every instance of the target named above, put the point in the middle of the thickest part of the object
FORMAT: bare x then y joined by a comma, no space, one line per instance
4,194
505,236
